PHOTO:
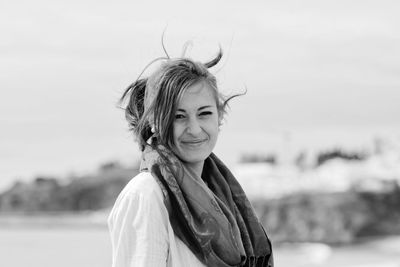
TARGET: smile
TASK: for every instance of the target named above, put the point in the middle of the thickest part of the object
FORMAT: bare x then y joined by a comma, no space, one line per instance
194,142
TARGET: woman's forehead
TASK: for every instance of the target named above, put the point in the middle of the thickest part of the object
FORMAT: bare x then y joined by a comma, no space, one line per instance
198,95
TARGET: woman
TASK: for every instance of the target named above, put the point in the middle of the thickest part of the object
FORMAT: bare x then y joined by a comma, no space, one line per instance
184,208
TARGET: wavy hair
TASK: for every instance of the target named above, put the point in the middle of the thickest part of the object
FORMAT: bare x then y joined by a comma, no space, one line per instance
152,101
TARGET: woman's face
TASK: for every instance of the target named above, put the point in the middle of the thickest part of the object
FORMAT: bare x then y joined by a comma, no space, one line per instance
195,128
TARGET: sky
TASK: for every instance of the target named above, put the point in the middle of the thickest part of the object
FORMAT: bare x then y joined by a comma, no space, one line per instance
318,74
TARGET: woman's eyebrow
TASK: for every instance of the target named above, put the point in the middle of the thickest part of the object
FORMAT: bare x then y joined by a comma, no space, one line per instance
203,107
200,108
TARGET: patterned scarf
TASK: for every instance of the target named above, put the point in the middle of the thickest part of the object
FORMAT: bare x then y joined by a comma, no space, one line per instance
210,214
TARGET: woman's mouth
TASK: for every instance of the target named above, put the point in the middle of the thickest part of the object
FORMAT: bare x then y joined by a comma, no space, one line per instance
196,142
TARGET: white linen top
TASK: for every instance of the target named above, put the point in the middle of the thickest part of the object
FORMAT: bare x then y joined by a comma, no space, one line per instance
140,230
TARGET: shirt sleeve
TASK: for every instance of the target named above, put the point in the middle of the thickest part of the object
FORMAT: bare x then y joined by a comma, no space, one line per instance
138,230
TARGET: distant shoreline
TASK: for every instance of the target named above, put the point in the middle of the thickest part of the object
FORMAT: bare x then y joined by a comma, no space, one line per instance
92,219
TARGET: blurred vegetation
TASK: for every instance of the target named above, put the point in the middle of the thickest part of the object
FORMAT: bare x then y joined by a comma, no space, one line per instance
76,193
325,156
321,158
331,217
258,158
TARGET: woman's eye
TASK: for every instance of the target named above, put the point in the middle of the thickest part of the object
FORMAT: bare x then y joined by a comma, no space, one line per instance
205,113
179,116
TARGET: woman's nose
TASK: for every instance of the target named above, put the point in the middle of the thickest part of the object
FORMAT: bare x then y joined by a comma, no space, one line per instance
193,127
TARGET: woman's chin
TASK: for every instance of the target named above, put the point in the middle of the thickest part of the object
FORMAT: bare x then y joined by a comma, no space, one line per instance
194,157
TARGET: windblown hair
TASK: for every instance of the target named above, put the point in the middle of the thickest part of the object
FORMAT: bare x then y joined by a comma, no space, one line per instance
168,83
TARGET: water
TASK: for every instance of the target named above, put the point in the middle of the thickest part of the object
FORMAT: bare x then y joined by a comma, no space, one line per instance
90,247
49,247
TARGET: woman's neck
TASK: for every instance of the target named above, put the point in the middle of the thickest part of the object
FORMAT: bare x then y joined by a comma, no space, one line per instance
196,168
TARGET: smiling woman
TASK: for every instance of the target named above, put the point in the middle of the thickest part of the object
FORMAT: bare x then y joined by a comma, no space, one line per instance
196,125
185,208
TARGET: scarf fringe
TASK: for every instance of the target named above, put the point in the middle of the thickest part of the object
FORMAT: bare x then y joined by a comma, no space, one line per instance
262,261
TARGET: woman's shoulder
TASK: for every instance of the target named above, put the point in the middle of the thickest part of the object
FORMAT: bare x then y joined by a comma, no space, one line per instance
141,191
143,184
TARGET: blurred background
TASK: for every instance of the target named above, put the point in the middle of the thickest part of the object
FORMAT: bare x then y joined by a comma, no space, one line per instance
315,142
